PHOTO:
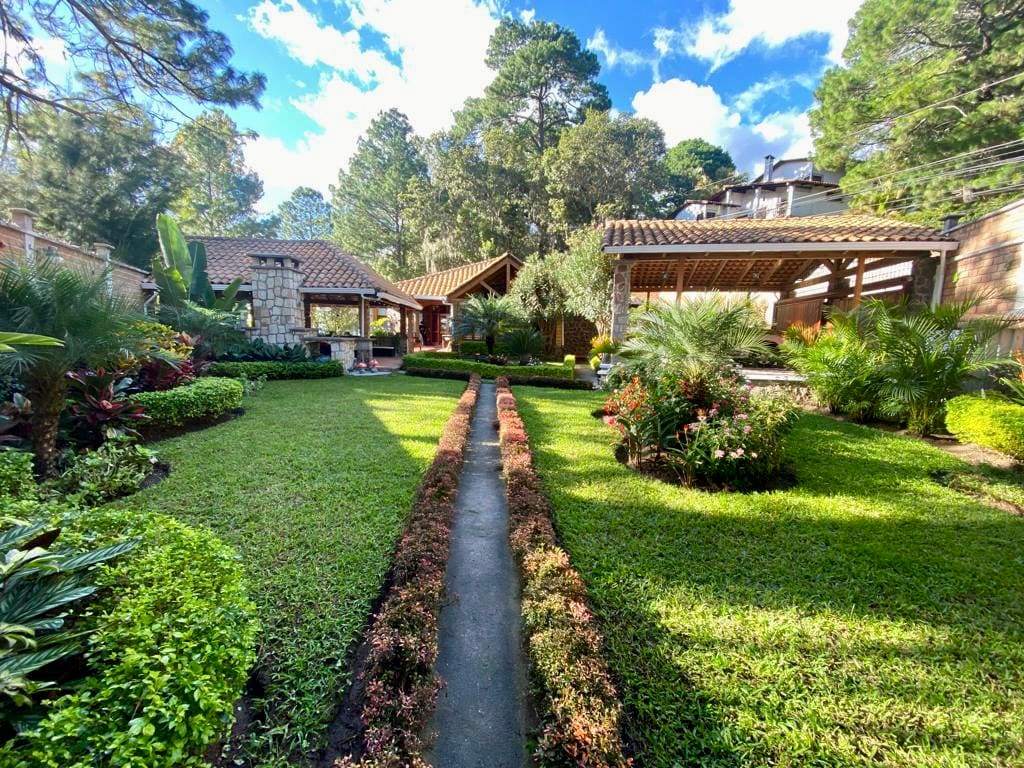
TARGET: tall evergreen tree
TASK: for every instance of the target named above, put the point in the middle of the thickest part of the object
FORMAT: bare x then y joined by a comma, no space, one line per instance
923,83
305,216
371,203
220,193
98,180
696,169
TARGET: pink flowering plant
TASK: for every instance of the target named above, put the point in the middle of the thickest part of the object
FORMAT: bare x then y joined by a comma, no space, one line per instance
706,426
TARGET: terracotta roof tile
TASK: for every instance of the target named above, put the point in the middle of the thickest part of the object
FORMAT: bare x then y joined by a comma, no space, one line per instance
324,264
845,228
449,281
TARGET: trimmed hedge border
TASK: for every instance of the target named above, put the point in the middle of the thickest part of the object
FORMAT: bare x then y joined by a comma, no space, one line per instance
401,685
202,400
582,712
169,658
277,370
487,370
990,421
527,381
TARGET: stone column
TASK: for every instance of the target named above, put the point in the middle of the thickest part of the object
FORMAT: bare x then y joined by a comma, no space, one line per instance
103,250
922,281
277,306
24,220
620,300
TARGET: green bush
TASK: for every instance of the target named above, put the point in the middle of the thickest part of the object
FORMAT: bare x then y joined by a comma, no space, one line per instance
990,421
203,400
475,348
170,654
116,468
569,361
486,370
16,474
528,381
278,370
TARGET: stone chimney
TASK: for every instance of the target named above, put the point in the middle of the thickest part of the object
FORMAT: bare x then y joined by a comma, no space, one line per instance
276,298
769,168
23,218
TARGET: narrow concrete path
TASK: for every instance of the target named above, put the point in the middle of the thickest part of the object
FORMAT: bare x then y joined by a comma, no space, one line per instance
481,715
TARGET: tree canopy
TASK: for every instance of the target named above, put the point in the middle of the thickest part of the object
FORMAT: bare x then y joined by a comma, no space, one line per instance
305,216
696,169
937,84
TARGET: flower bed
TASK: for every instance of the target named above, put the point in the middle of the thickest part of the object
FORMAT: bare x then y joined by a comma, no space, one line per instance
169,656
277,370
427,361
991,421
400,681
203,400
582,712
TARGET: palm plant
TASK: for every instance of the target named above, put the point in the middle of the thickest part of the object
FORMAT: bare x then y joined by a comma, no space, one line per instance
9,340
925,356
697,334
523,343
96,328
486,316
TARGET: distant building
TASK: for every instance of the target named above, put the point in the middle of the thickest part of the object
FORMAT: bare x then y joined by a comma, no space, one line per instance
790,187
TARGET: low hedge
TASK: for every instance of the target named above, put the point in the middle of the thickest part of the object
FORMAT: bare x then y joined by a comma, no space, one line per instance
169,657
581,710
990,421
401,685
277,370
202,400
528,381
486,370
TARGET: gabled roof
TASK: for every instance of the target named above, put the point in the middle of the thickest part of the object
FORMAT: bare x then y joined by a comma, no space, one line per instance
441,285
326,267
802,232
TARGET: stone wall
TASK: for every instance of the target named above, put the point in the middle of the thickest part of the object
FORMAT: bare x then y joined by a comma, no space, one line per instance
19,239
577,333
277,307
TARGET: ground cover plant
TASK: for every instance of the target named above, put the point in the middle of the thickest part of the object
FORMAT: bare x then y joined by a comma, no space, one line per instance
311,488
993,421
581,711
870,615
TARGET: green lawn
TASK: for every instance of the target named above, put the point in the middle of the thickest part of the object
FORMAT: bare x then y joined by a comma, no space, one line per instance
869,616
312,487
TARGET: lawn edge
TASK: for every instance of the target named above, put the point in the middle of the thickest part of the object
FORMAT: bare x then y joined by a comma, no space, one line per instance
581,710
399,678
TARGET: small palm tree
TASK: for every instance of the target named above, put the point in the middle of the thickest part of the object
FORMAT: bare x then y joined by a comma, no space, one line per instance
486,316
94,328
927,355
697,334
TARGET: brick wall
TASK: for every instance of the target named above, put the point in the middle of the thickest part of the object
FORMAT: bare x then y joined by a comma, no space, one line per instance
18,233
576,335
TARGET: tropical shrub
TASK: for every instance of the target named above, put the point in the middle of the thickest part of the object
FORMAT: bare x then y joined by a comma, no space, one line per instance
169,653
16,479
472,348
96,328
603,345
179,271
101,408
278,370
16,421
595,363
581,711
1015,383
203,400
257,350
990,421
117,468
486,316
523,343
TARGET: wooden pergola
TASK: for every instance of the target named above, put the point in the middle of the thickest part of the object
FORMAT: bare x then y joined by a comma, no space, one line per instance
779,256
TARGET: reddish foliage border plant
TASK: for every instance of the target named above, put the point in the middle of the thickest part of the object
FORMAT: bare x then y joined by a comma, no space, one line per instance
583,713
401,686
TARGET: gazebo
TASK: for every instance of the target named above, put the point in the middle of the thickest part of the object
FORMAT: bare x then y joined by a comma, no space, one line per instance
809,261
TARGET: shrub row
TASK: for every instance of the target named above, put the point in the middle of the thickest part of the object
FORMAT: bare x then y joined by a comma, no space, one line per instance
486,370
582,711
278,370
202,400
400,682
990,421
168,659
529,381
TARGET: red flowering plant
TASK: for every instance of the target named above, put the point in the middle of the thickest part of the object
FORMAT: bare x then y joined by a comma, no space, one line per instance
100,406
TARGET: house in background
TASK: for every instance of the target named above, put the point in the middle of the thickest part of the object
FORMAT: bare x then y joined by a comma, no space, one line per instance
790,187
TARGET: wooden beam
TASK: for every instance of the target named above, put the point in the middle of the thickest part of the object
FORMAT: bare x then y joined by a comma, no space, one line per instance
858,283
680,266
718,273
488,287
767,278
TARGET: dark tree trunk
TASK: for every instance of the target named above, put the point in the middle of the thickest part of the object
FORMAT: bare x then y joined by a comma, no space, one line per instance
47,404
489,341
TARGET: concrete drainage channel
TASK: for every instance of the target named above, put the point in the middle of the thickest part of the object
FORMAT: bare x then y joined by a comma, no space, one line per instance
482,713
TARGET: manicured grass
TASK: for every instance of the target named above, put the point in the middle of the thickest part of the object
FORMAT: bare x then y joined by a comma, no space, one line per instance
312,487
868,616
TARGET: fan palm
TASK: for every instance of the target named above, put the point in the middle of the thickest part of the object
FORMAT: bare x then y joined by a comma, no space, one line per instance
927,355
95,328
698,334
485,316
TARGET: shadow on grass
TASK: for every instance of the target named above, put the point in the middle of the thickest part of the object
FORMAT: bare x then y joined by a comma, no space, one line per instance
312,487
869,601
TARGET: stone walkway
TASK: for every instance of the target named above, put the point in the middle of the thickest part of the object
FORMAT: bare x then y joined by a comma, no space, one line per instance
481,715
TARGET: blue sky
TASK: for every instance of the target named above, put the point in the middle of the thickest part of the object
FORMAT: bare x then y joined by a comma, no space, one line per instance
740,73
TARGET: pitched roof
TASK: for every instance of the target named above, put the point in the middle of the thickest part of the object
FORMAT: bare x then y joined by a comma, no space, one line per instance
843,228
449,281
324,264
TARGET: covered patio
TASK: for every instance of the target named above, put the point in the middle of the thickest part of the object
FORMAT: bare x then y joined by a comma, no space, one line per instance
808,262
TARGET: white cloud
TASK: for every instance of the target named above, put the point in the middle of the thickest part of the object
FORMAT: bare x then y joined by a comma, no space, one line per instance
435,74
686,110
718,39
614,55
746,101
527,15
